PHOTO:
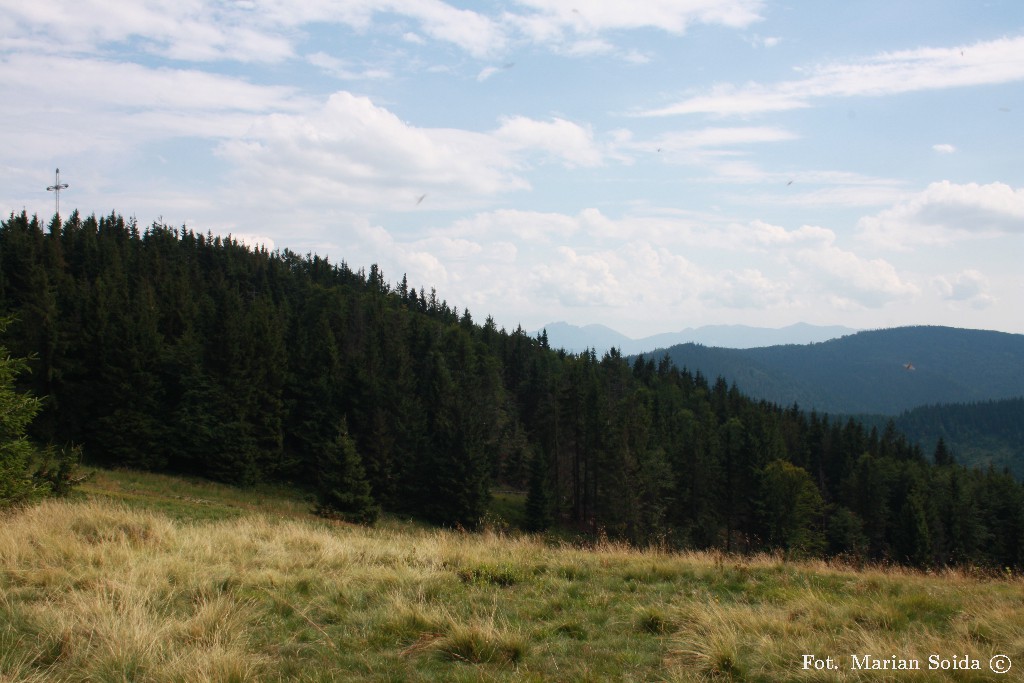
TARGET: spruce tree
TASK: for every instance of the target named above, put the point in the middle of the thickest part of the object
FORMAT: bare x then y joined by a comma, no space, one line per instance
538,497
942,455
16,452
342,488
26,472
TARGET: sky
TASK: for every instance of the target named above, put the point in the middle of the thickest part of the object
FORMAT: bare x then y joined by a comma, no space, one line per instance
649,166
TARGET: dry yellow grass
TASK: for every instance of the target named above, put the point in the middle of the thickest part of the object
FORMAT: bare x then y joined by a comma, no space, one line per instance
96,590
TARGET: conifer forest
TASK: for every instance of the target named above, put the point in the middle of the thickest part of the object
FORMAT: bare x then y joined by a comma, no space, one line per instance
161,349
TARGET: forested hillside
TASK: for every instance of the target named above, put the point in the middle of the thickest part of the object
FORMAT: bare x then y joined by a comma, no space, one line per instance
161,349
989,433
881,371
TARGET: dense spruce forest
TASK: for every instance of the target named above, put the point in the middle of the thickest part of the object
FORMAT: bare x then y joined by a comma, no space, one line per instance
163,349
982,434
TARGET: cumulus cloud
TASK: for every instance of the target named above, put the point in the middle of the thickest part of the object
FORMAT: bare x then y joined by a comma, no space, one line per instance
350,150
746,289
525,226
968,286
582,279
890,73
765,234
852,280
471,31
564,140
944,148
945,212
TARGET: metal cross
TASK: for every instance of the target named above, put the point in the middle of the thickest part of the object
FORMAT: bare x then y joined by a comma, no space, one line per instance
56,188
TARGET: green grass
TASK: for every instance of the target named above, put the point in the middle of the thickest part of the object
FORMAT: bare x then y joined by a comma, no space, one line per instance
150,578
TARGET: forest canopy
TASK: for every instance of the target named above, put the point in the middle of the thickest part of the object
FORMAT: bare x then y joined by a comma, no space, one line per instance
167,350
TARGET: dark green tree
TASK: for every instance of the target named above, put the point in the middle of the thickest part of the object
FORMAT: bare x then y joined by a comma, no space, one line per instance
342,488
538,496
26,472
17,485
942,456
791,509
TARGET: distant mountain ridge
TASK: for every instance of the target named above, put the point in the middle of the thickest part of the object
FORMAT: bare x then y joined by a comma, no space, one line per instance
573,338
882,371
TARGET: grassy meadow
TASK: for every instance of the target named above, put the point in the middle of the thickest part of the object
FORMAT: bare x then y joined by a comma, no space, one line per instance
148,578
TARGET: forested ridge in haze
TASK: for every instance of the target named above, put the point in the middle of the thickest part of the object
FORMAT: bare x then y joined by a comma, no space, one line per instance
878,371
165,350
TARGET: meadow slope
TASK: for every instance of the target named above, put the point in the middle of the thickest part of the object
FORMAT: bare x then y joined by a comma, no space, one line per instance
148,578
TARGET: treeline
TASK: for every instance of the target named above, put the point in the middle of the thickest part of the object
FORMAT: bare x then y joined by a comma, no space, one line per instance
162,349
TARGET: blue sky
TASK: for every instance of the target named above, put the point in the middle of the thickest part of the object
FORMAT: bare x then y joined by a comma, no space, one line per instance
647,165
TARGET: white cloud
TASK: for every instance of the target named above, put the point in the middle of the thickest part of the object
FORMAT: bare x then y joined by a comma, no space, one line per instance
350,150
253,240
767,235
944,148
246,32
107,107
890,73
571,143
524,226
853,280
343,69
112,85
673,16
575,28
486,73
471,31
722,137
968,286
636,57
745,289
191,31
588,47
582,279
945,212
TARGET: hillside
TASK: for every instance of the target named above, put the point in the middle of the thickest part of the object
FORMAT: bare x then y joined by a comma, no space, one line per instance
867,372
164,350
152,579
980,435
576,339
